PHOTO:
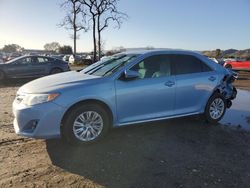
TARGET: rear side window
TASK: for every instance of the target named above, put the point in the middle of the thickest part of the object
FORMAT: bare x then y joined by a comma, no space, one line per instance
187,64
40,60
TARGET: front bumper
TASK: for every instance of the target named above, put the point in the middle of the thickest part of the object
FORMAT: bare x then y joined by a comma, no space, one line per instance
38,121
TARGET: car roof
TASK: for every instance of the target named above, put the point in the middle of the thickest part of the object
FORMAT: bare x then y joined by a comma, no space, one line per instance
156,51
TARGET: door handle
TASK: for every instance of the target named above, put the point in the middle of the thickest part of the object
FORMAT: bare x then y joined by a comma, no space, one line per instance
212,78
169,83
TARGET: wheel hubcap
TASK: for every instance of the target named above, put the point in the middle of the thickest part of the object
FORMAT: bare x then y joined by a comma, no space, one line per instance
216,108
88,126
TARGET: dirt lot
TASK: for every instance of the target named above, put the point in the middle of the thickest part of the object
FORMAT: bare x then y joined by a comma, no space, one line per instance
183,152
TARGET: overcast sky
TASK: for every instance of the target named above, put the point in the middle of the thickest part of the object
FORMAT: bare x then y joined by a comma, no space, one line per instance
185,24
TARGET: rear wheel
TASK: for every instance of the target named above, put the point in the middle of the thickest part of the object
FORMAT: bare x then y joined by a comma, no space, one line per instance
55,71
215,108
85,124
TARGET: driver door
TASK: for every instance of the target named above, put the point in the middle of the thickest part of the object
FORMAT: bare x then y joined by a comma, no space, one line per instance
40,66
151,95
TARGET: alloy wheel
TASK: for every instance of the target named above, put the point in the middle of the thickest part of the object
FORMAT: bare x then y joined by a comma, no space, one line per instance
216,108
88,126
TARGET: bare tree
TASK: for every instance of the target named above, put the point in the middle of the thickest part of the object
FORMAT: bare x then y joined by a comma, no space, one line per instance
91,13
107,12
101,13
75,18
102,45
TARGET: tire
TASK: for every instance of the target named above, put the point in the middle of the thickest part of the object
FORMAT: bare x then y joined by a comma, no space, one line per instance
228,66
2,75
215,108
76,132
55,71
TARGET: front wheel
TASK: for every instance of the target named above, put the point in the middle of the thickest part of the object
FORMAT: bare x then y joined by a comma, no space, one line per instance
215,108
85,124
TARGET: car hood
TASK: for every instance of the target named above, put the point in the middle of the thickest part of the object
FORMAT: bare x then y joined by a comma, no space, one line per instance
56,82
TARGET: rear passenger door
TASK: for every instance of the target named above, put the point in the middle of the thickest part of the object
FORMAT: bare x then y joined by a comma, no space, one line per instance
39,65
195,81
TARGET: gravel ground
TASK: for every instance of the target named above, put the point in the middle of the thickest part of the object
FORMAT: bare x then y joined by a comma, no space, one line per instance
184,152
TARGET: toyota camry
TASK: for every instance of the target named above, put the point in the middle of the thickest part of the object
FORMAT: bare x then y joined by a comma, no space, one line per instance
127,88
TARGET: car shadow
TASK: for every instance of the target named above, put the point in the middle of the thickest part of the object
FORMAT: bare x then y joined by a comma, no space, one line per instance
155,154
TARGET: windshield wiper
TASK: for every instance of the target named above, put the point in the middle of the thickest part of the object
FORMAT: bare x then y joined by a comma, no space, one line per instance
114,68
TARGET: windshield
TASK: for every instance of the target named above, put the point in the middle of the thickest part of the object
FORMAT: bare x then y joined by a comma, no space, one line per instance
15,59
109,65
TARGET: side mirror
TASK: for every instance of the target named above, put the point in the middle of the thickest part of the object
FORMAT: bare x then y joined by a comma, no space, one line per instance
129,74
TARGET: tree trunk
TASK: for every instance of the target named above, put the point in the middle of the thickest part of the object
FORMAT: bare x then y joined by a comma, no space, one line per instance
99,38
99,45
74,27
74,42
94,39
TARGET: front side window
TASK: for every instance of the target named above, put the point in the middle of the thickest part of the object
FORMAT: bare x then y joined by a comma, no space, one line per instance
23,61
153,67
187,64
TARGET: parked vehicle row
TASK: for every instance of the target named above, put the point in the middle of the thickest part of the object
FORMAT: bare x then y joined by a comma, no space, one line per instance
128,88
66,58
60,56
80,59
32,66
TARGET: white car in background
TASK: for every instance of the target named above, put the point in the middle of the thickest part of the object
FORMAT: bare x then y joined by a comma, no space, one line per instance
74,58
214,59
77,59
66,58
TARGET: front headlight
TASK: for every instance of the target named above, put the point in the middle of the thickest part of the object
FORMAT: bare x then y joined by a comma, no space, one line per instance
33,99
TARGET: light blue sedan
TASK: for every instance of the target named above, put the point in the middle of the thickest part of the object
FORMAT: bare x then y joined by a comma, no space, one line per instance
127,88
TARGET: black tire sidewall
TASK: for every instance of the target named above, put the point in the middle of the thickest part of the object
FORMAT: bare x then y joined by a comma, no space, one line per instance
67,127
207,114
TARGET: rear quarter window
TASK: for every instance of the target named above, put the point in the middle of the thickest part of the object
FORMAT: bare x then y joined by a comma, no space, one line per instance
188,64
